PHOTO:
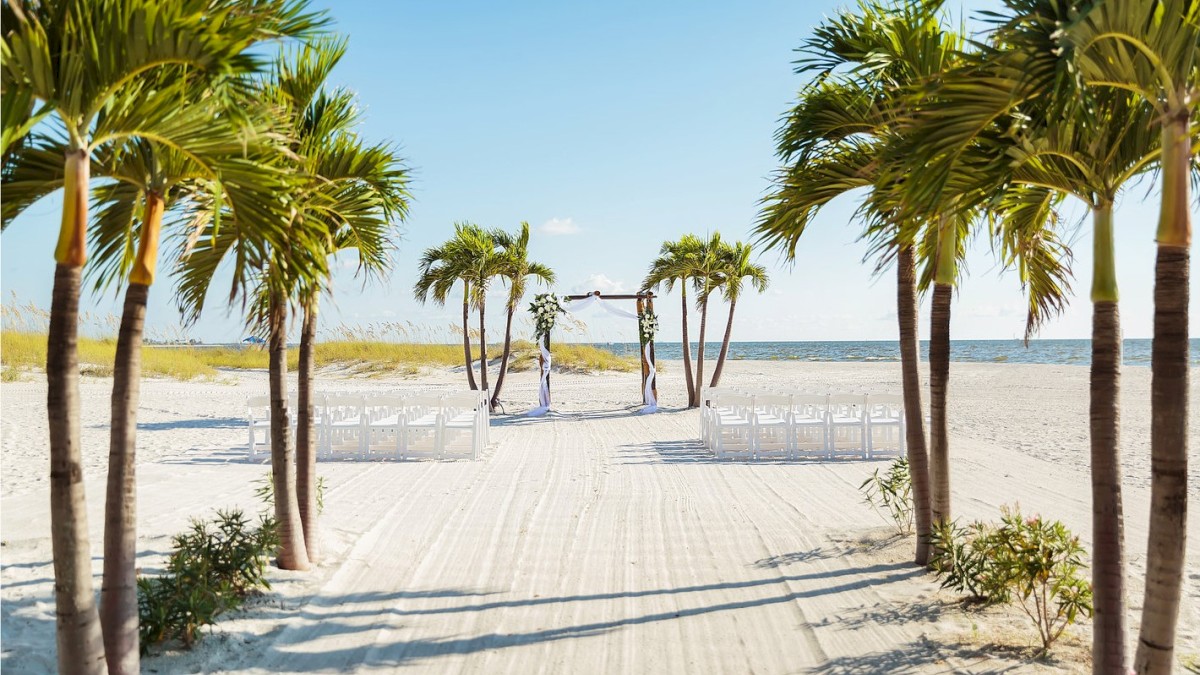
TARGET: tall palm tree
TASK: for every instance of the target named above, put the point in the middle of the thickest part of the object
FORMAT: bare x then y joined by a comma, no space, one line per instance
517,268
456,260
737,268
92,96
832,142
357,193
1149,48
707,277
676,263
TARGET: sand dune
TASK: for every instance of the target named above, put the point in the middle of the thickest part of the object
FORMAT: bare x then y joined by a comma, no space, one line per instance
593,540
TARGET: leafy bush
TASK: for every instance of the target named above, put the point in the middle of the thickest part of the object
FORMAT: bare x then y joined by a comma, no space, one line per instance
1035,561
212,568
890,495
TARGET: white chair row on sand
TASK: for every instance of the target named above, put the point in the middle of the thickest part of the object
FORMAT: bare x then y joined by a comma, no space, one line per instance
399,426
779,425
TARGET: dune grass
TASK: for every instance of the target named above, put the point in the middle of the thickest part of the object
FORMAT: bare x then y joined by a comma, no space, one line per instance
23,350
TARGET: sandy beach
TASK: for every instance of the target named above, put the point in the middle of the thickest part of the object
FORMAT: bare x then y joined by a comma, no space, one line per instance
594,540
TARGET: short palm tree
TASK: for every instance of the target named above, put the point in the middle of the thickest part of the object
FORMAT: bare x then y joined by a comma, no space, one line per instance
86,69
736,270
676,263
457,260
517,268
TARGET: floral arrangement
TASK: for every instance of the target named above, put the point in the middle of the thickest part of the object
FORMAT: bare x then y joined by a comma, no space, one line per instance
545,309
647,326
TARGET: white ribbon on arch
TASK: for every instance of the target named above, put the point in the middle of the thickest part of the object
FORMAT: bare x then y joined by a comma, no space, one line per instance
648,394
544,386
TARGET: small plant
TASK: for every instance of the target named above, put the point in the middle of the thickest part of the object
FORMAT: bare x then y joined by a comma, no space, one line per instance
265,491
212,568
1035,561
890,495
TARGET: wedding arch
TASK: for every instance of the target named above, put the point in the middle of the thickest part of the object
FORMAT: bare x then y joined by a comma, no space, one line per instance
546,307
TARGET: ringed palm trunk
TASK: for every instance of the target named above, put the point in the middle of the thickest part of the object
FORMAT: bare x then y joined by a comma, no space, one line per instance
118,594
79,637
292,554
1108,535
700,353
716,379
467,337
1169,404
939,374
306,441
914,418
504,360
483,363
687,345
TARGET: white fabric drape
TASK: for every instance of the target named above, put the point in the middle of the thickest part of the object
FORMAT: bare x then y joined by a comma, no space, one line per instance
544,386
590,300
651,402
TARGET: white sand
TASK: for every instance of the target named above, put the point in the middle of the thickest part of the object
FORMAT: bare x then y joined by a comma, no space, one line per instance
596,540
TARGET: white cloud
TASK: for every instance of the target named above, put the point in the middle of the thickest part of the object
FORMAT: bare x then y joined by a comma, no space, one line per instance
599,282
559,226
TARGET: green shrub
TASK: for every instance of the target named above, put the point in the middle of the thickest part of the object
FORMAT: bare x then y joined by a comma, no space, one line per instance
212,568
1037,562
890,495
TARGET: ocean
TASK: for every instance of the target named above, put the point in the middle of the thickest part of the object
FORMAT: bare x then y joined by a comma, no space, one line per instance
1059,352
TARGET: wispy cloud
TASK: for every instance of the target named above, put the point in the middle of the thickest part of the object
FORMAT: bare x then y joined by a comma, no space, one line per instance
599,282
559,226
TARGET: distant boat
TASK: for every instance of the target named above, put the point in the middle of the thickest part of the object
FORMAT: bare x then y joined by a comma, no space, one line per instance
254,340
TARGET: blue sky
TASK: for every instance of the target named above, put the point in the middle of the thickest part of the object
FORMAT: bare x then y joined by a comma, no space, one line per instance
610,127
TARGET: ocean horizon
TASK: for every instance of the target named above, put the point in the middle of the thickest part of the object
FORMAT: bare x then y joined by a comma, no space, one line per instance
1135,352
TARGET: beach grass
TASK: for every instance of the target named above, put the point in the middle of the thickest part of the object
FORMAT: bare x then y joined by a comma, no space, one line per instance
24,350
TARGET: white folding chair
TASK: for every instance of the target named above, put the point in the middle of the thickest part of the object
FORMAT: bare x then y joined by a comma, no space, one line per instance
731,427
772,426
848,425
464,418
384,432
810,425
706,396
258,418
345,425
422,431
885,425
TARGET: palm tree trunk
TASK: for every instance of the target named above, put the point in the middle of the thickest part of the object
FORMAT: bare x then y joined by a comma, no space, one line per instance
118,593
687,345
700,352
292,554
716,379
80,640
1108,529
306,442
1169,404
483,363
914,417
504,360
939,379
467,337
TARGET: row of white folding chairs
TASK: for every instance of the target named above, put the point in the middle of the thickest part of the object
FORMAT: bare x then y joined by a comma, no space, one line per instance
773,425
386,426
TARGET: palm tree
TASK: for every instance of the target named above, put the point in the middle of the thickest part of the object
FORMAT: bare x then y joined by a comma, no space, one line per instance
832,142
676,262
456,260
736,268
357,193
95,97
517,268
1149,48
707,277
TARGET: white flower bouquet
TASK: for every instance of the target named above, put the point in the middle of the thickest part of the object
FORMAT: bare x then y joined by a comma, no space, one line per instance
647,326
545,309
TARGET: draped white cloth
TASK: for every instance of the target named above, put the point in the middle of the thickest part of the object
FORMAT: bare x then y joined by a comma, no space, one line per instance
577,306
544,386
